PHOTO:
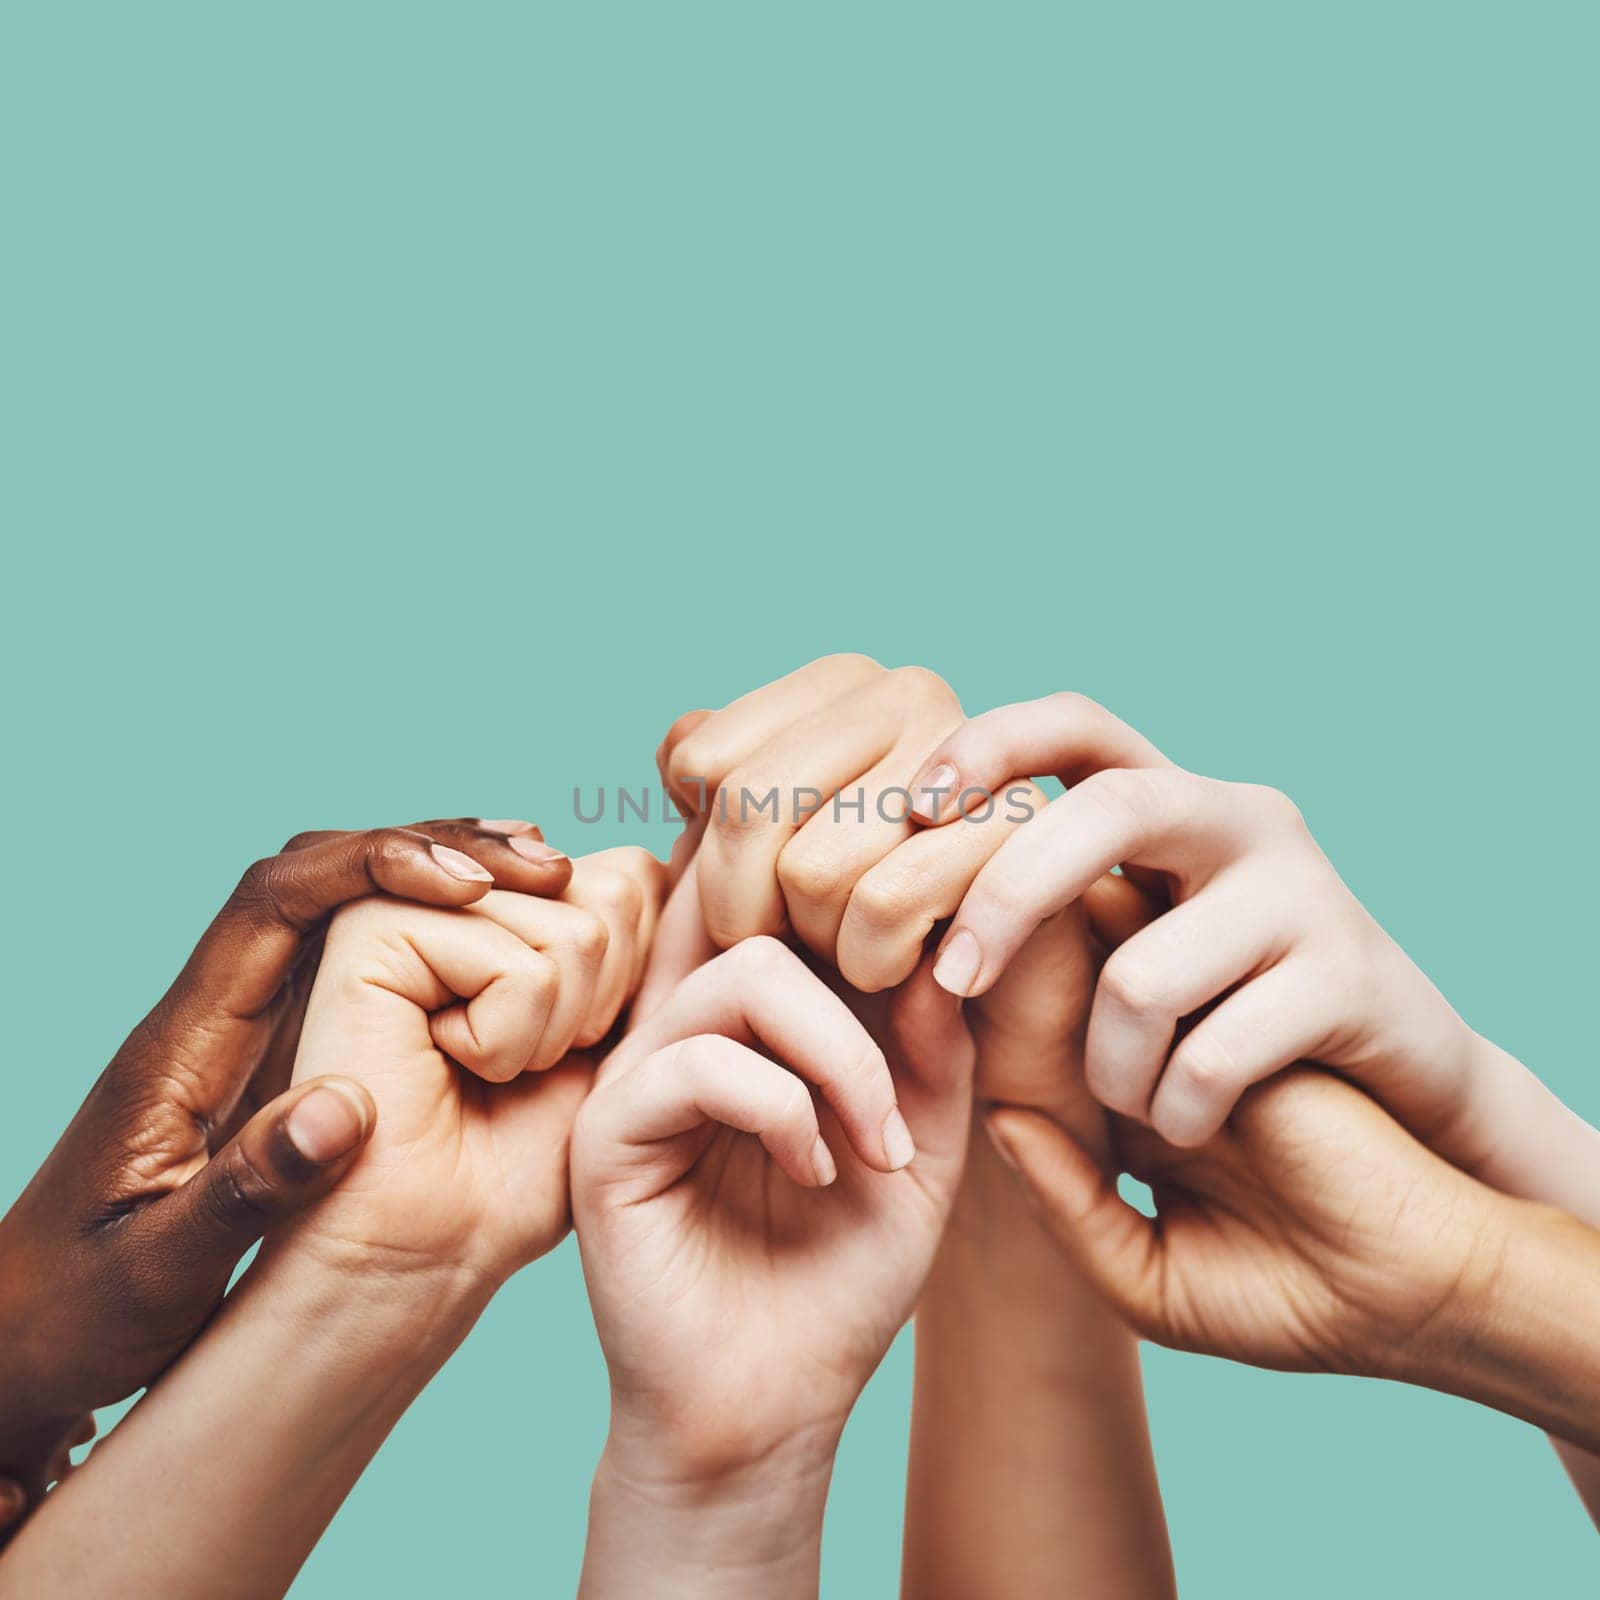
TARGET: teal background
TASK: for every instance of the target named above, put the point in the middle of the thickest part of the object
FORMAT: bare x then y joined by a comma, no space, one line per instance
410,409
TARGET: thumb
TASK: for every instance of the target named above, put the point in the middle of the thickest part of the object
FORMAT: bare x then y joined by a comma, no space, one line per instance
1116,1248
289,1154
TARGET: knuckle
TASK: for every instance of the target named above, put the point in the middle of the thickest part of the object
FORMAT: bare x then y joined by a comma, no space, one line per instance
1070,703
258,880
921,686
239,1197
1205,1064
885,899
260,894
590,935
794,1107
1131,795
1274,808
743,811
691,760
1133,983
536,974
388,847
619,897
299,841
807,875
762,958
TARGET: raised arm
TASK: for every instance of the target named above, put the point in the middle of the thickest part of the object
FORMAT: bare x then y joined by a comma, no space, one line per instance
435,1018
1030,1469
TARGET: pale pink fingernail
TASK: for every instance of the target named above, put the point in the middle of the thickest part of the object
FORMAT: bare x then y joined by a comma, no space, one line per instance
899,1148
822,1164
956,970
535,849
459,865
328,1123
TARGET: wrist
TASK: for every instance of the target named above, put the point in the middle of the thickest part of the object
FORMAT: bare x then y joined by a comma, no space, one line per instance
390,1327
1524,1335
700,1462
672,1518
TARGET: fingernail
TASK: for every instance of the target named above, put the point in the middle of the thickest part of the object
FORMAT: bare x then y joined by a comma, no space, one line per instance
328,1123
822,1164
505,825
956,970
535,849
459,865
938,778
899,1149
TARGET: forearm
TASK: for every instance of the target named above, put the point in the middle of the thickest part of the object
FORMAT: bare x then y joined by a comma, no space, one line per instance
1031,1470
223,1478
752,1533
1525,1141
1526,1339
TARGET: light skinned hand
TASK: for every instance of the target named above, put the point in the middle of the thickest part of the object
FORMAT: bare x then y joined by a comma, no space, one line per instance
801,786
1257,944
863,891
465,1030
752,1236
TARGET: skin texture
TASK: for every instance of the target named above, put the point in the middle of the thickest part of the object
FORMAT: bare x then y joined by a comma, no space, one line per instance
469,1172
1314,1234
860,888
1241,952
865,893
861,894
746,1279
180,1158
463,1180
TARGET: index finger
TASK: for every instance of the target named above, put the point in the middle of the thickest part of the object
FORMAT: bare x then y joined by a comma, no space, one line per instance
1166,817
761,992
1065,736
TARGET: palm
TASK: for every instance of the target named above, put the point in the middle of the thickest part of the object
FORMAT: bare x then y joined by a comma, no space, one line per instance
712,1292
762,1277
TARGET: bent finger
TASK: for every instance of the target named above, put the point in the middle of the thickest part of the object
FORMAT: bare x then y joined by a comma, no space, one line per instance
1066,736
762,992
634,1125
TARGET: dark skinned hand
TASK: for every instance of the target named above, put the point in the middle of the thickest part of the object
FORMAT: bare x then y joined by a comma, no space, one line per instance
190,1146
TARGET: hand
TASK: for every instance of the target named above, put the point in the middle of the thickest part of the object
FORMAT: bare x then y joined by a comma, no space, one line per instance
745,1288
120,1248
807,819
862,888
1311,1234
466,1171
1261,946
